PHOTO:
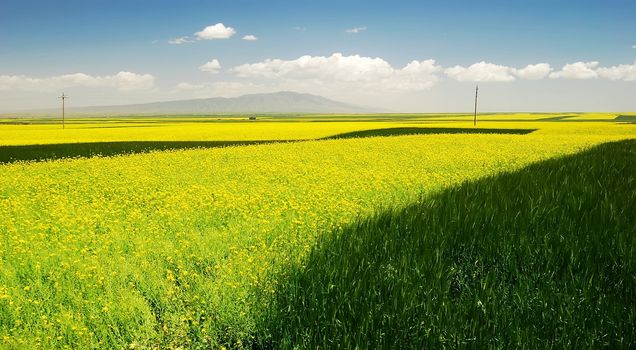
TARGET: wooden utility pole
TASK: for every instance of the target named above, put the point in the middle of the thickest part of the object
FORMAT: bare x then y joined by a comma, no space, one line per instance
63,97
475,118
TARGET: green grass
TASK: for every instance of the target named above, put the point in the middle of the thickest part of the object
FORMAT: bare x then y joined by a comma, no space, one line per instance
539,258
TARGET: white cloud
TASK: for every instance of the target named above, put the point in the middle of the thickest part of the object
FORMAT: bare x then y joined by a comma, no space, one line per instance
577,70
490,72
124,81
481,71
367,80
633,46
181,40
356,30
339,71
534,71
299,29
334,67
626,72
130,81
217,31
484,71
214,66
417,75
250,37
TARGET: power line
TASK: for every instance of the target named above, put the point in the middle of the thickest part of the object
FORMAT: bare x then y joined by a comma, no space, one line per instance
63,97
475,118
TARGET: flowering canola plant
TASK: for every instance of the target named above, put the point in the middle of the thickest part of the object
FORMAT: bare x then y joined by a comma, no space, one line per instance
183,248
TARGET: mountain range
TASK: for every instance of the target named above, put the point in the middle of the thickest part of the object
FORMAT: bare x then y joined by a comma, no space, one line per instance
278,102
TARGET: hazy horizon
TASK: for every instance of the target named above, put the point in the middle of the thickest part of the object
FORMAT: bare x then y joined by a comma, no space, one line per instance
72,110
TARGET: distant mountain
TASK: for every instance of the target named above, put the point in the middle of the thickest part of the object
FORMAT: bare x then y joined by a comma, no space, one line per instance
278,102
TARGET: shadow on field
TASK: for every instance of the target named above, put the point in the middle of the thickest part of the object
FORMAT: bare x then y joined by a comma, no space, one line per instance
556,119
425,131
573,119
542,257
629,119
10,154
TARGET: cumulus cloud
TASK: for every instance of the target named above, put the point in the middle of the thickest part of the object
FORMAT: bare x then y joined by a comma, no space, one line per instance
124,81
217,31
626,72
490,72
373,80
341,69
577,70
179,41
356,30
129,81
250,37
214,66
334,67
481,71
484,71
417,75
534,71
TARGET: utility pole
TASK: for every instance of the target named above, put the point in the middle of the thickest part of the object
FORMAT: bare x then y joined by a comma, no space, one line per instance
475,118
63,97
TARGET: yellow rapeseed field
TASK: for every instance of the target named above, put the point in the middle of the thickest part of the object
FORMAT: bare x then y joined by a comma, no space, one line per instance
174,248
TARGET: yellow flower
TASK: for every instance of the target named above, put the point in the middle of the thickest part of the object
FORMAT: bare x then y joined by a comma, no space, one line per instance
199,228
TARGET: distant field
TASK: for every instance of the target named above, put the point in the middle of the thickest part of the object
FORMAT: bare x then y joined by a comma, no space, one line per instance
304,231
22,131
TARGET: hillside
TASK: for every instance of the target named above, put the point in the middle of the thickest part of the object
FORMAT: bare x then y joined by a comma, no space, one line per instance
278,102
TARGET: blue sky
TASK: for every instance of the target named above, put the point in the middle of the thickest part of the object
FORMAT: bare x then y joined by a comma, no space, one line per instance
44,45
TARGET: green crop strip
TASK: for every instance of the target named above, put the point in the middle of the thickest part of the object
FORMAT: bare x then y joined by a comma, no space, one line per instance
541,257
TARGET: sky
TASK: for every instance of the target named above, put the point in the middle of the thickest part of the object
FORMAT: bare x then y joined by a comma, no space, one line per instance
408,56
